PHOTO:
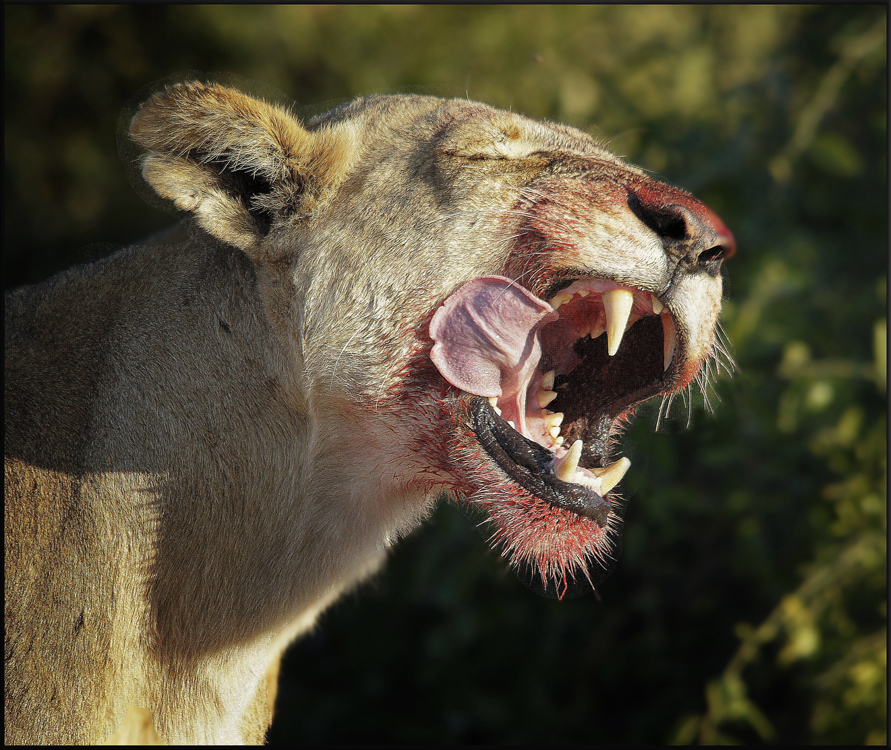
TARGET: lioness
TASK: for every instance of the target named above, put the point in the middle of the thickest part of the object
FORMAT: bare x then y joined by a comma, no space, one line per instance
208,442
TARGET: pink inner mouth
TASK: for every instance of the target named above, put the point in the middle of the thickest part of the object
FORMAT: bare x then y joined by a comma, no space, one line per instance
494,338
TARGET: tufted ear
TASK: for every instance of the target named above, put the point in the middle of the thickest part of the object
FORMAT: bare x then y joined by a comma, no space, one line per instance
242,166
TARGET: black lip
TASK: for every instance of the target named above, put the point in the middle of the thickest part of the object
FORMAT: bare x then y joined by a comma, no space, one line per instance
526,462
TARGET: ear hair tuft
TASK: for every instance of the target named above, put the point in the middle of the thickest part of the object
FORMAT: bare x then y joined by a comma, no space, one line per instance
242,166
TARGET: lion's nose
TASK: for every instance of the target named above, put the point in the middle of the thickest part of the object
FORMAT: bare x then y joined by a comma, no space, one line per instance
690,230
726,240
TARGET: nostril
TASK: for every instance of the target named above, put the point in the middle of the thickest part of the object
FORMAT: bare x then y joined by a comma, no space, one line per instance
669,222
689,230
725,236
710,260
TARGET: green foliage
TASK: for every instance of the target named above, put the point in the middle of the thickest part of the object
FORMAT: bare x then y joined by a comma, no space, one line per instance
750,601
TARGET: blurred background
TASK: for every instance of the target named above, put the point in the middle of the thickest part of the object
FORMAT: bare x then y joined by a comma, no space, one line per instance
749,604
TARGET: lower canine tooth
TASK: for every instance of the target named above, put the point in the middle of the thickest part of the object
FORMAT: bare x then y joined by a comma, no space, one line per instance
564,468
611,475
617,304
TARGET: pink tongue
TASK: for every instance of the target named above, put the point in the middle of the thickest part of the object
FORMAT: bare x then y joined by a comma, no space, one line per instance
486,337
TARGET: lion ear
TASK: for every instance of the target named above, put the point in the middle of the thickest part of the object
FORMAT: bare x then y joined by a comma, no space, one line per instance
242,166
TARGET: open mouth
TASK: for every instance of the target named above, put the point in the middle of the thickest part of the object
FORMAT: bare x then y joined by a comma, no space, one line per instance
553,377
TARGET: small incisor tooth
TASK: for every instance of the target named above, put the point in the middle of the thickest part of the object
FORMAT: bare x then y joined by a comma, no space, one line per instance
611,475
565,467
545,397
617,305
670,339
493,402
597,330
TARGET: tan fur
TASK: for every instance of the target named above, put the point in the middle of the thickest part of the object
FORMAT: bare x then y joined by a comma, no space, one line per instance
211,436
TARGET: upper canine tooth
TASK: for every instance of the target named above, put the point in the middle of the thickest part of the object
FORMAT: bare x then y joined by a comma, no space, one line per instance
617,305
545,397
565,467
670,339
611,475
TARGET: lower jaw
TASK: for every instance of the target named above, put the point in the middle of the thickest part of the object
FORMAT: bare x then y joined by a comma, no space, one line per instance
529,465
554,551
